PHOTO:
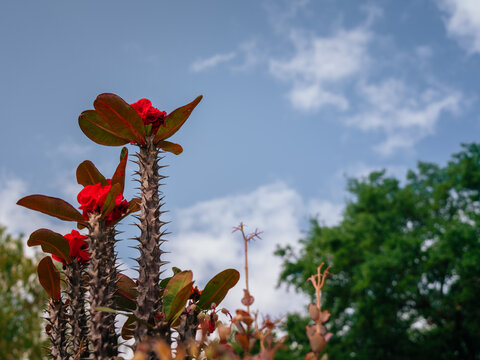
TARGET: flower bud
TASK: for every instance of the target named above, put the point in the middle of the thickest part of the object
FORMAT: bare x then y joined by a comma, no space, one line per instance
313,311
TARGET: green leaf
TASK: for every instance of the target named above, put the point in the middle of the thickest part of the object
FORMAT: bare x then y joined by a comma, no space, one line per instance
98,130
106,309
170,147
148,129
119,176
122,118
175,120
49,277
109,204
52,206
217,288
88,174
123,153
164,282
178,304
128,328
51,242
176,284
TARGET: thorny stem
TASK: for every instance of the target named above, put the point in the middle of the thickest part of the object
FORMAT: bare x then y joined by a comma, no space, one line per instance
75,291
102,273
57,330
149,262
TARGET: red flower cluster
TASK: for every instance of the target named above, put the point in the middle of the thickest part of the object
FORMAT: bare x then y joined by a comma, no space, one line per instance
78,245
92,198
149,114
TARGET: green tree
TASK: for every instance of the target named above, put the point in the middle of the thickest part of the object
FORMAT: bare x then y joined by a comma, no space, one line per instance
22,300
406,264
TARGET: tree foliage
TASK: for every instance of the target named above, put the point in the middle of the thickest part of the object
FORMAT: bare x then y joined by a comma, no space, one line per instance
406,264
21,302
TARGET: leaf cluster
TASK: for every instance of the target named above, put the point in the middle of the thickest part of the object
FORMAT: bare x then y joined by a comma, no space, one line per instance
406,259
21,302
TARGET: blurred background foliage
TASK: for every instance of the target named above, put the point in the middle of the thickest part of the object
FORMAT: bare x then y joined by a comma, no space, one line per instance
22,301
406,264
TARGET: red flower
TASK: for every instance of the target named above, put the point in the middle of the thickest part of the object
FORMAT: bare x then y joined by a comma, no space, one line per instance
149,114
92,198
78,245
195,294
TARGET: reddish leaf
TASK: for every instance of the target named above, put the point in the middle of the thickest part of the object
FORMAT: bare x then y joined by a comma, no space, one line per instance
51,242
109,204
98,130
170,147
175,120
217,288
122,118
49,277
52,206
128,328
124,303
119,176
134,205
176,284
126,293
178,303
88,174
126,287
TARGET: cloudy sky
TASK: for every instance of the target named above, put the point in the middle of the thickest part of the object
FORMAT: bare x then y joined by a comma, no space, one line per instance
298,94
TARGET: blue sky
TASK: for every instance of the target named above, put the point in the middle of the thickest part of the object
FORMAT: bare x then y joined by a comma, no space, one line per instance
297,94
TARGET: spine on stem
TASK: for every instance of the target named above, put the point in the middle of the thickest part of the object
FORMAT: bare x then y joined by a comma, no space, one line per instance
102,274
57,330
75,291
150,240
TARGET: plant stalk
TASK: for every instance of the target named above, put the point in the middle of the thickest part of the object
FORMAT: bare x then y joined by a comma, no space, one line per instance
57,330
150,239
75,291
102,273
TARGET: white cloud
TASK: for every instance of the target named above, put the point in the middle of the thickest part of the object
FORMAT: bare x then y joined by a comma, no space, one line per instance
320,64
250,53
282,12
204,64
405,115
204,241
327,212
463,22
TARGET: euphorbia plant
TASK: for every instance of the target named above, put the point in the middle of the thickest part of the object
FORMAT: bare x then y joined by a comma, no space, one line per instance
56,312
114,122
103,206
156,308
71,251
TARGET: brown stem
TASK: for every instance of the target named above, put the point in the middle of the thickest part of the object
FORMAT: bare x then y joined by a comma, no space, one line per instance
245,241
102,276
57,330
150,239
75,292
